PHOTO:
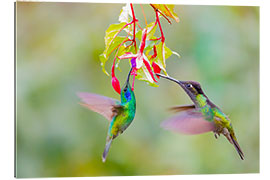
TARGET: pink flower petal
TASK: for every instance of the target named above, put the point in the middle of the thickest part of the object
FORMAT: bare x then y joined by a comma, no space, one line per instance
149,69
142,46
128,55
156,68
139,61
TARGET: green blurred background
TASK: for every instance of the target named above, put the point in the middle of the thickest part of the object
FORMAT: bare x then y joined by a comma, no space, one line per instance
57,55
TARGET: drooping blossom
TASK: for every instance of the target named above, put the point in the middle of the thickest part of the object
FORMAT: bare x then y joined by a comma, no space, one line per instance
139,59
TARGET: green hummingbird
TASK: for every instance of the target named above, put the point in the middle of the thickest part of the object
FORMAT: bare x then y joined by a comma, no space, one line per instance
200,117
119,114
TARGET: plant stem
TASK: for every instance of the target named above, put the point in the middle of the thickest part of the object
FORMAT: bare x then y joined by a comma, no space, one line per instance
162,37
121,30
126,40
144,15
161,31
155,39
134,26
161,14
139,26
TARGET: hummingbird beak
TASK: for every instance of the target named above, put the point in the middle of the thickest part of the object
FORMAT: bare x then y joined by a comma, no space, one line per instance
170,78
181,83
127,81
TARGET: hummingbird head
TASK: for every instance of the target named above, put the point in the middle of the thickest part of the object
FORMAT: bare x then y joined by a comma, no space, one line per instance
126,91
193,88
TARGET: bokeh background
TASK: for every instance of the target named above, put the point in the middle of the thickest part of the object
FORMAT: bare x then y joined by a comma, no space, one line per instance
57,55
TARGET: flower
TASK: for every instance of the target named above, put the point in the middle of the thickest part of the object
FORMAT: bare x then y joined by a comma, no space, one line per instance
139,59
115,82
116,85
133,62
156,68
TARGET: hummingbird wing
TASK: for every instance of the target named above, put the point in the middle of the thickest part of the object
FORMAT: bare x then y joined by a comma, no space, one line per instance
103,105
188,122
182,108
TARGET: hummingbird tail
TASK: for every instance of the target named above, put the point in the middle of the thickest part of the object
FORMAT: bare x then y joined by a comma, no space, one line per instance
237,147
106,150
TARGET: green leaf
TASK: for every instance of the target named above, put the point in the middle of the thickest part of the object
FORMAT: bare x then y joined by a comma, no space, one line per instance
112,41
103,60
167,9
149,45
121,51
139,34
117,41
112,32
151,29
144,75
163,53
105,55
131,49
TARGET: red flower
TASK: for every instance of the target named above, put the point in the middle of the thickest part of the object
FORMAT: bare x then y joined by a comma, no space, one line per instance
147,65
116,85
155,52
140,57
156,68
115,82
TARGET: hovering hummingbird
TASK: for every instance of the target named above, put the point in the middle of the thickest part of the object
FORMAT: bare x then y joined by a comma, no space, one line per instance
200,117
119,114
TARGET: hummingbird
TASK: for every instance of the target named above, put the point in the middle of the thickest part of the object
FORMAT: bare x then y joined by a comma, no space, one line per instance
200,117
120,114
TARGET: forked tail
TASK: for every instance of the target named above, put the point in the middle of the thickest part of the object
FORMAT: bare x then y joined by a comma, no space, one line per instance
106,150
236,145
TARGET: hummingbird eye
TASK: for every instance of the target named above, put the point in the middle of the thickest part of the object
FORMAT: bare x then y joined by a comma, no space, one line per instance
189,86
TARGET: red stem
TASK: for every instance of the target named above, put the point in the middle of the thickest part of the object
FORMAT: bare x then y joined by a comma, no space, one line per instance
121,30
155,39
132,88
161,14
161,32
139,26
134,25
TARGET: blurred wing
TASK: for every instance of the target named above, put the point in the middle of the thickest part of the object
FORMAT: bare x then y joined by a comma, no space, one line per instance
188,122
105,106
182,108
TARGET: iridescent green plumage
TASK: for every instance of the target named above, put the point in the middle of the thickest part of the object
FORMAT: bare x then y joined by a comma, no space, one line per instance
126,112
120,114
125,115
203,114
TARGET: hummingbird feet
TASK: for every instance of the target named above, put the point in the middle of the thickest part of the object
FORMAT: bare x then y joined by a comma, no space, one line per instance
217,131
216,135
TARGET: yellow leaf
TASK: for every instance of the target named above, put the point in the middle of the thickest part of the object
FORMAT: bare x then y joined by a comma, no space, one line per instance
167,10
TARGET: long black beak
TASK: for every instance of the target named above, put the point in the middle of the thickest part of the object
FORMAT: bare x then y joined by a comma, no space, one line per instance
129,75
170,78
127,81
